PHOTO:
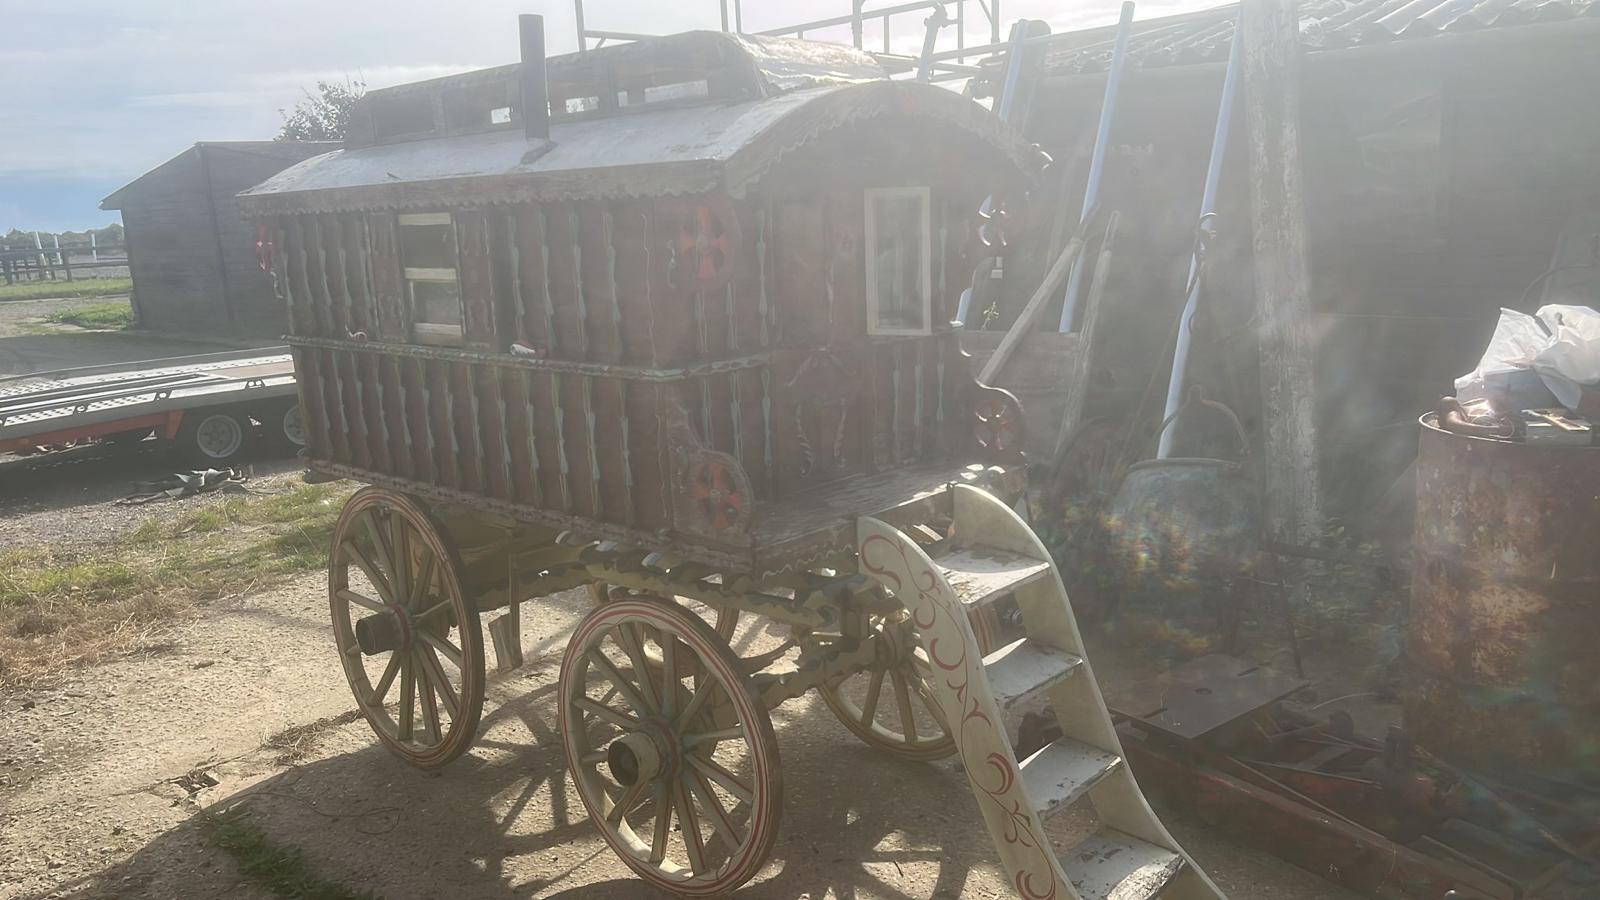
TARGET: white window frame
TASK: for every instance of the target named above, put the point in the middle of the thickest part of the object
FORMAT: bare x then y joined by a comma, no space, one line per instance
433,332
925,196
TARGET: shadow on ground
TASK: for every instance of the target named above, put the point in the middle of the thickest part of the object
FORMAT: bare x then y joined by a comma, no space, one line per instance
504,821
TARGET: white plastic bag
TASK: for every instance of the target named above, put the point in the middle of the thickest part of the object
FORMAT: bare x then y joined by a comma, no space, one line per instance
1505,375
1570,359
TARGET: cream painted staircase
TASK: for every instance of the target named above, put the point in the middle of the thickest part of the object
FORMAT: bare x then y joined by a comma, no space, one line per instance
991,553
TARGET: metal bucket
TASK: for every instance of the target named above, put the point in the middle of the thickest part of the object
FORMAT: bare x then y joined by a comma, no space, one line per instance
1505,603
1187,522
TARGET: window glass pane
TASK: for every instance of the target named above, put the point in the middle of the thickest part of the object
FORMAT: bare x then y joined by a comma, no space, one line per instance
898,263
436,303
428,246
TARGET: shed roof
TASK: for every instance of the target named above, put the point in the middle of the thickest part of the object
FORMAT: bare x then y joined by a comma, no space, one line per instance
672,150
1206,35
288,151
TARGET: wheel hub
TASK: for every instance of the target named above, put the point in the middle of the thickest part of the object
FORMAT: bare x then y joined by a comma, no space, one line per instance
383,632
647,754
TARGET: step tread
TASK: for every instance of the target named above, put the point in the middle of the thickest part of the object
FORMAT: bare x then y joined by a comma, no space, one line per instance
981,575
1024,668
1111,865
1062,772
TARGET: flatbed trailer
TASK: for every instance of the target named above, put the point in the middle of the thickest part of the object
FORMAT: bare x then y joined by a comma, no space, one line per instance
208,404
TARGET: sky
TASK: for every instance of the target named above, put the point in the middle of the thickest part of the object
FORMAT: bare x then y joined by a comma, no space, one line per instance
98,92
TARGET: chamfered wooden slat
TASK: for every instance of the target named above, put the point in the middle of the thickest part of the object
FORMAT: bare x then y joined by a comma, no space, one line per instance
563,257
387,285
492,433
647,455
475,272
630,237
543,400
611,448
602,323
674,328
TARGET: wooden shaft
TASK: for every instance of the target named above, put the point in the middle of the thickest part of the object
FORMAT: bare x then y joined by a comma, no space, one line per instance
1031,312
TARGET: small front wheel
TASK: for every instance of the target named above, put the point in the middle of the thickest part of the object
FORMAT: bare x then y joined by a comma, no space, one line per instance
676,762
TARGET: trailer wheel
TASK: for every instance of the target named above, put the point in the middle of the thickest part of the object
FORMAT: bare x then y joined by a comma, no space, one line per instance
282,425
214,437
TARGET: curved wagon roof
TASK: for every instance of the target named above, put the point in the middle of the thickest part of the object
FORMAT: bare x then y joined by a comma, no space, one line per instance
789,93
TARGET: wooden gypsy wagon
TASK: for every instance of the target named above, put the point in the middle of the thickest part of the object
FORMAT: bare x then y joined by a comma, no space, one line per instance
665,319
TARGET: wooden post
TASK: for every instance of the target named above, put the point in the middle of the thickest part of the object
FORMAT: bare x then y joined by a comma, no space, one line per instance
1272,67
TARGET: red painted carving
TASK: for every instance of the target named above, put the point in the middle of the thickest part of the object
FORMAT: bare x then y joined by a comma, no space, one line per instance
712,497
705,244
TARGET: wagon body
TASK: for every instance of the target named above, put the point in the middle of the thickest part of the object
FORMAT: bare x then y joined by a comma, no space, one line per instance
670,328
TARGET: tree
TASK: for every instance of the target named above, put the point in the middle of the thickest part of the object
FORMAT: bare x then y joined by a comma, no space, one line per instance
324,115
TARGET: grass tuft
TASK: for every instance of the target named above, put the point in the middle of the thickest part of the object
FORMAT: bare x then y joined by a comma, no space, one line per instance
64,608
97,317
280,869
83,287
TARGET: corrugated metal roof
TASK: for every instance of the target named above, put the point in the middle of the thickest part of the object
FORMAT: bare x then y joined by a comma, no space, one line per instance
672,150
1205,36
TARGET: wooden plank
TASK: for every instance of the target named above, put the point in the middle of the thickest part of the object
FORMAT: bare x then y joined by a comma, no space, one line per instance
595,231
801,291
749,331
520,437
538,311
674,330
611,448
566,281
630,237
543,399
646,456
496,451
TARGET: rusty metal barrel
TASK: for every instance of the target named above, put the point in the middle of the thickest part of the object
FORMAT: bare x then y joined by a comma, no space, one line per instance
1503,641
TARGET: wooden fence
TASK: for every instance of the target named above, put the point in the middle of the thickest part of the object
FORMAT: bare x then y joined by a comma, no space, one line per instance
42,263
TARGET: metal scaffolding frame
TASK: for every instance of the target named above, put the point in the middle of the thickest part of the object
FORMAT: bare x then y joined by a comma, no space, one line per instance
944,65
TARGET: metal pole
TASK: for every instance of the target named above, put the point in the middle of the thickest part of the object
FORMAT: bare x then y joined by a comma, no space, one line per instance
738,16
94,247
724,15
1208,208
855,21
994,23
1097,158
583,39
938,20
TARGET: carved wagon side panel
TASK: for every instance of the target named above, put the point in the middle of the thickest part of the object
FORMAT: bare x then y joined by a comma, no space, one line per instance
531,303
647,456
635,295
564,273
595,229
476,277
388,288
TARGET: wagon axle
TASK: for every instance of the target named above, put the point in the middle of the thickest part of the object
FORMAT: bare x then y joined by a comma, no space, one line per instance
384,632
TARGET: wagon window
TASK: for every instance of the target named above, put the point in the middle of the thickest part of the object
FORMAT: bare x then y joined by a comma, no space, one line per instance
433,288
899,270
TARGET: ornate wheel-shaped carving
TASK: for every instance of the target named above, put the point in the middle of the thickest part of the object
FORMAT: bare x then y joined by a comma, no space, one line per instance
889,706
997,422
719,494
409,641
704,245
676,762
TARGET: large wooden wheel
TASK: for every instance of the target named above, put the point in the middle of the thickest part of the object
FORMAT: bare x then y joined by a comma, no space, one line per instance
723,620
890,706
410,642
676,763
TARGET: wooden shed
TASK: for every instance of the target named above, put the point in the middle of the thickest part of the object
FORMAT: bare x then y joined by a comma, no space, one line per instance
705,302
192,258
1446,147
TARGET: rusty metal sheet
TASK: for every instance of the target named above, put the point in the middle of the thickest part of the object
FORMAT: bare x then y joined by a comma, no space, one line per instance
1201,696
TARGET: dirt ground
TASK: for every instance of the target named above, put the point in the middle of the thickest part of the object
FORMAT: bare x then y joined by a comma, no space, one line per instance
105,773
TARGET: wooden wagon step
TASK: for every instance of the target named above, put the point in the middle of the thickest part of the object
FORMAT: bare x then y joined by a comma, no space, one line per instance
982,575
1111,865
1023,669
940,586
1060,774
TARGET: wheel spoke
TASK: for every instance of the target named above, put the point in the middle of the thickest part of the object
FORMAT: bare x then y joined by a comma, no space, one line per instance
735,733
419,588
908,718
430,705
608,714
446,649
378,579
381,549
631,693
702,694
627,635
658,840
430,612
870,708
381,689
399,546
714,770
360,600
593,758
441,683
406,725
669,668
720,823
689,826
630,799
